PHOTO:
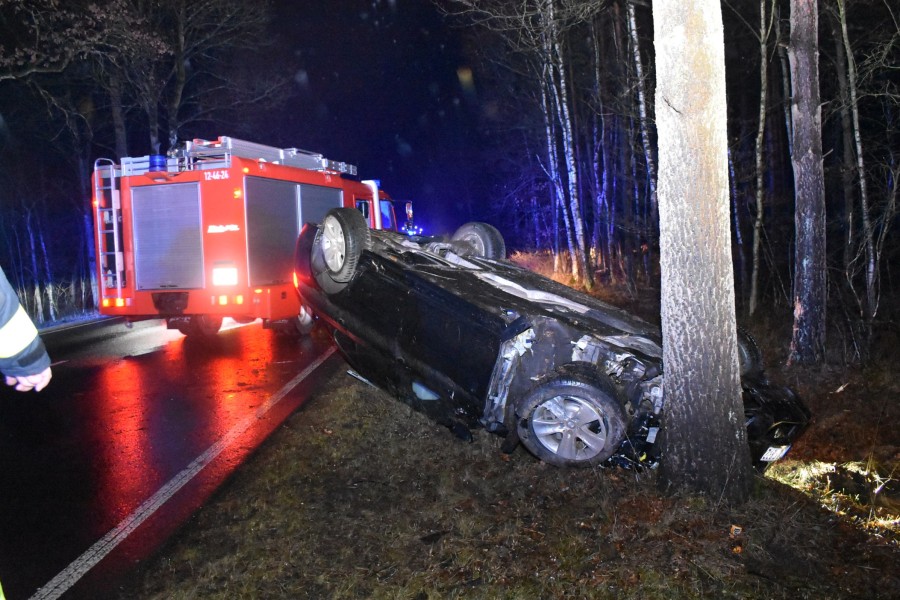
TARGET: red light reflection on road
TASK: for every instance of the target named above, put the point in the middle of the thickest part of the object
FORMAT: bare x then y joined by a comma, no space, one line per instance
124,438
234,370
161,410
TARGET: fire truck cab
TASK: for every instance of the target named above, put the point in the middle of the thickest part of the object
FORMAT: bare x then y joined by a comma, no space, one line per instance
209,231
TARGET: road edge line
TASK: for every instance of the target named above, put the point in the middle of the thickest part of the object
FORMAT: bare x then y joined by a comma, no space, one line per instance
66,578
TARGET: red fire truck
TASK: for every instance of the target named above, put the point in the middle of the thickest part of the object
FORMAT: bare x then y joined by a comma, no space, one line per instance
209,232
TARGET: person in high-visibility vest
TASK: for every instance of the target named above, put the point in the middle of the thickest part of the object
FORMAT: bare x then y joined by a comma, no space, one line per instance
23,357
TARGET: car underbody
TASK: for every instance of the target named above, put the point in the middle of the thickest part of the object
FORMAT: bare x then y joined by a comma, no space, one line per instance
475,341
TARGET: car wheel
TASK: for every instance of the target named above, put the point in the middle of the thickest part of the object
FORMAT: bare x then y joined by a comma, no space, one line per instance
337,248
201,326
484,238
749,354
571,418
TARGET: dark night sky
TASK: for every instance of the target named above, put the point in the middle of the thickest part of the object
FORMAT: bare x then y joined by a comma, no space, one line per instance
376,85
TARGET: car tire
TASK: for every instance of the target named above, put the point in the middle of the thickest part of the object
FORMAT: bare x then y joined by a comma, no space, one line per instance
338,247
571,418
749,354
486,240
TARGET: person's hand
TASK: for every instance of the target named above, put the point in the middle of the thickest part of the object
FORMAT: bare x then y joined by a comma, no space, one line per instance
30,382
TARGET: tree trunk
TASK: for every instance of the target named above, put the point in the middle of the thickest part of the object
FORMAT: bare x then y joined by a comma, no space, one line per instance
117,112
808,340
179,79
871,304
890,208
847,162
785,85
49,285
600,157
627,232
739,249
38,315
644,121
87,222
705,444
558,86
153,125
555,177
764,28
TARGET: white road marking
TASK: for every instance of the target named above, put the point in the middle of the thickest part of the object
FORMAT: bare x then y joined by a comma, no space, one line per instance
60,584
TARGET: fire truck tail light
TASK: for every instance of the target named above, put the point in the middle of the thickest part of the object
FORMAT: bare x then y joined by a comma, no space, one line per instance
224,300
120,302
225,276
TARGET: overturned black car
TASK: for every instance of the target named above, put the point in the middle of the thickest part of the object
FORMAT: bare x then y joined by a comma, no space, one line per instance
470,339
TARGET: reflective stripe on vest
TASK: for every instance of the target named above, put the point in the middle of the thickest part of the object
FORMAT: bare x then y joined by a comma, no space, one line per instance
18,332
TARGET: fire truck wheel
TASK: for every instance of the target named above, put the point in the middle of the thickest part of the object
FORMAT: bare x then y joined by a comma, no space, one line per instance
337,248
484,238
201,326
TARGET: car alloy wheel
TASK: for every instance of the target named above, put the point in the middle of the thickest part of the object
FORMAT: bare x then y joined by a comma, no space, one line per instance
337,248
571,418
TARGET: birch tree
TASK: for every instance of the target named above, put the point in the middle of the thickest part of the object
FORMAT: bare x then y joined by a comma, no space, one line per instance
644,120
536,29
868,93
600,153
868,237
554,59
705,445
765,28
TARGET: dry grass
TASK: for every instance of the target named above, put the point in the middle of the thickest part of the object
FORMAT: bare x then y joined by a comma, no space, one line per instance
357,496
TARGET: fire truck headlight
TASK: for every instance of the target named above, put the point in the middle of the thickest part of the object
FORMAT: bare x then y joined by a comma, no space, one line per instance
225,276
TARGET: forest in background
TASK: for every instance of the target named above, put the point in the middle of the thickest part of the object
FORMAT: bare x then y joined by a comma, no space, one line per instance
559,153
85,80
581,179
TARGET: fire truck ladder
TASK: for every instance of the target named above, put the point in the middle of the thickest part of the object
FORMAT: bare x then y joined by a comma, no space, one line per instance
108,207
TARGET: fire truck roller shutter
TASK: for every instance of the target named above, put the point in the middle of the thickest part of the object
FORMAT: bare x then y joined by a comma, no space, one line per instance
168,242
315,202
275,211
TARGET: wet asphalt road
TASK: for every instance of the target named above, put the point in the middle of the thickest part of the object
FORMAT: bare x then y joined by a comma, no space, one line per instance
135,431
